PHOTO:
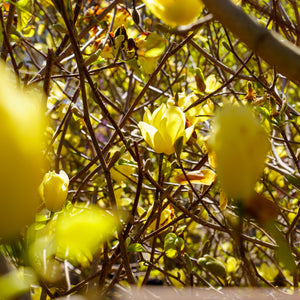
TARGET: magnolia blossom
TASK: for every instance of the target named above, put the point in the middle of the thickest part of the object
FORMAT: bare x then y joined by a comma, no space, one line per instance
175,12
240,144
162,128
54,190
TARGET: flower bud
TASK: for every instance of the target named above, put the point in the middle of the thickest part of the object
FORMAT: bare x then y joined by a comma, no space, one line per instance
54,190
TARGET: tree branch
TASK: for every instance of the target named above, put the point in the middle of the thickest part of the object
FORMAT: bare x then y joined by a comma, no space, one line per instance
268,45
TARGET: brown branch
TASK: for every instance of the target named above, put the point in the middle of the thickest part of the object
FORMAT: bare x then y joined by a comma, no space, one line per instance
280,54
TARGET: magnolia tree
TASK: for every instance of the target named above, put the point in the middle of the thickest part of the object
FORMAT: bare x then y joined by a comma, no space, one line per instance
148,142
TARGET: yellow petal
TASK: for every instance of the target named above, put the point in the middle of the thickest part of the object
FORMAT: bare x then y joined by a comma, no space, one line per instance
206,111
91,226
211,84
147,116
148,132
188,132
206,177
163,144
175,123
158,115
21,135
241,145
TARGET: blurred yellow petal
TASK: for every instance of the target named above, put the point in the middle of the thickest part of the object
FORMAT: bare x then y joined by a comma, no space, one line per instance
268,272
175,12
21,134
90,225
241,145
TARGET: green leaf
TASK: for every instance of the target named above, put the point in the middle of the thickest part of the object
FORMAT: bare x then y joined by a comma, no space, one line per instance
136,247
124,161
283,253
213,265
173,245
294,180
178,145
188,263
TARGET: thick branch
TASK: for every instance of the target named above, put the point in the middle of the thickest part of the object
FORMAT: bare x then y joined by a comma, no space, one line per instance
268,45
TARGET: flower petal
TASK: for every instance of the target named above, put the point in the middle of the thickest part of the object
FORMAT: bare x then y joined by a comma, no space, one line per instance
206,177
188,132
162,144
175,124
147,116
148,132
158,115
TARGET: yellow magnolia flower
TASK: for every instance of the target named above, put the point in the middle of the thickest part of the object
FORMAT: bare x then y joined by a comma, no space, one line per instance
175,12
54,190
162,128
240,144
21,135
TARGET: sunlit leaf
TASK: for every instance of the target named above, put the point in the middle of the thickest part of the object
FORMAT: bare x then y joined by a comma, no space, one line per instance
200,80
154,46
136,247
173,245
24,10
188,262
